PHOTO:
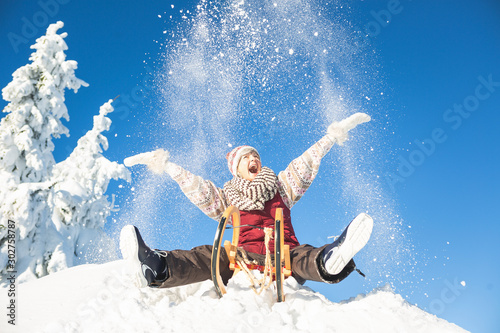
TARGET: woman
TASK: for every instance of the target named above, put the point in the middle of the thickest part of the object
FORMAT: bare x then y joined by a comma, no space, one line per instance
257,192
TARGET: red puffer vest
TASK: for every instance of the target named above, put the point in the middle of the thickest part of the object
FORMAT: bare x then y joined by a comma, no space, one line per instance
252,239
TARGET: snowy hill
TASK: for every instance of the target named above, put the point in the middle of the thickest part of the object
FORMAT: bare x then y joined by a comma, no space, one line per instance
103,298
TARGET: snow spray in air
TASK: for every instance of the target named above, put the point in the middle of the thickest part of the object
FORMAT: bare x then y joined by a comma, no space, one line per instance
273,75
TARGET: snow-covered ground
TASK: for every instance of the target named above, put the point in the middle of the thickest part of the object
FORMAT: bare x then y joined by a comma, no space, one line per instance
103,298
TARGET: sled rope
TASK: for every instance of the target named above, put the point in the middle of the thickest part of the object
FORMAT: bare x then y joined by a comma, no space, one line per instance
267,279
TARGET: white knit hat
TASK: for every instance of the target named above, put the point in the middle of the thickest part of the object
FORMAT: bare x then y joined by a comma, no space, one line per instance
234,156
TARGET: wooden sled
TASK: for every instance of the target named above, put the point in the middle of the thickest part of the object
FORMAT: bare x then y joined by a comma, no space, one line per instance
282,266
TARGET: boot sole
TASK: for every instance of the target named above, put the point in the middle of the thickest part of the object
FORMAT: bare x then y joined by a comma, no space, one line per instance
129,248
357,235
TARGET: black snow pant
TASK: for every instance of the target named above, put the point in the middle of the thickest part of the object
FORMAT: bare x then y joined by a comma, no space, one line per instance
191,266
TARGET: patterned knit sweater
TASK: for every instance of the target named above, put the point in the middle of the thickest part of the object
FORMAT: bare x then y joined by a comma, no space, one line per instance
292,182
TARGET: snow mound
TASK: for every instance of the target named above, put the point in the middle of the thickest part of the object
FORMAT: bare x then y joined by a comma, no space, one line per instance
103,298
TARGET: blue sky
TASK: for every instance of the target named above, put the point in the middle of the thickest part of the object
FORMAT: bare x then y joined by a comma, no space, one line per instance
425,167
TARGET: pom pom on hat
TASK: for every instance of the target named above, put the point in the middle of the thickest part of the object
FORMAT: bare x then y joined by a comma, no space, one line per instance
234,156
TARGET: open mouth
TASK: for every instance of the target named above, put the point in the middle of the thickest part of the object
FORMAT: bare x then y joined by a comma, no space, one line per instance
253,169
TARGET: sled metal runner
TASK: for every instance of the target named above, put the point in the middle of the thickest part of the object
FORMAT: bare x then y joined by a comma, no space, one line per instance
282,264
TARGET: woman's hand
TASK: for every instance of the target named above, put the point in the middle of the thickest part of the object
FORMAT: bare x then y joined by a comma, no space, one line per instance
338,131
156,161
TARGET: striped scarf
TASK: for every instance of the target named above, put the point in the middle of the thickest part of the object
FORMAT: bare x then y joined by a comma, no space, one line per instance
252,195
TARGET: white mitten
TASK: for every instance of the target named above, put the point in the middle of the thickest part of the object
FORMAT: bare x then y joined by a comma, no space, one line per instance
338,131
156,161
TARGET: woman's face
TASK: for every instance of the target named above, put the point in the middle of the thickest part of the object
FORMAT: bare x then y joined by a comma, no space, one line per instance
249,166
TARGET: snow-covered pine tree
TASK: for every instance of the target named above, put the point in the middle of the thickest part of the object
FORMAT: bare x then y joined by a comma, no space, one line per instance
36,96
30,189
80,204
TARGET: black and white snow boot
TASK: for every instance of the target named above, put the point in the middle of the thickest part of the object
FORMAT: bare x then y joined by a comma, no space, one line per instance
151,265
342,250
